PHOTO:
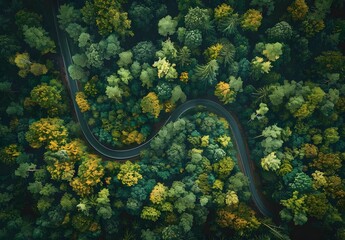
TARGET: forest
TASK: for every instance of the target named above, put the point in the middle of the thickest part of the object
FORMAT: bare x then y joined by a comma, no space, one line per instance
172,120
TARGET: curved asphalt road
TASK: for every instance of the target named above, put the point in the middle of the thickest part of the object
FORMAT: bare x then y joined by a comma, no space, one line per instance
243,155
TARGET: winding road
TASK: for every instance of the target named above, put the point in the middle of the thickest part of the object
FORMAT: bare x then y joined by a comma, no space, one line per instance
243,153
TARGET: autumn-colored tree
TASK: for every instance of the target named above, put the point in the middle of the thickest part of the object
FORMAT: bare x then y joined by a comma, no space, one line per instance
150,104
46,96
25,65
298,9
213,52
50,132
158,193
184,77
335,187
75,149
223,10
328,163
251,20
59,166
132,137
310,150
224,93
90,173
109,18
129,173
82,102
9,154
241,218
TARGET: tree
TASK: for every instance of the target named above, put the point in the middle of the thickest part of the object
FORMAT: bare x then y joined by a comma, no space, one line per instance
46,96
260,113
301,183
273,51
144,52
82,102
207,73
78,73
165,69
110,19
251,20
75,30
282,31
9,154
129,173
90,173
8,46
167,26
47,131
38,38
271,162
193,39
331,135
328,163
317,205
224,93
125,59
197,19
177,94
298,9
273,138
158,194
150,213
150,104
231,198
14,109
296,204
224,167
67,14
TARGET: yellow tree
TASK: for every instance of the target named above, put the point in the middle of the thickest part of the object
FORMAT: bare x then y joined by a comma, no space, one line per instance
158,193
22,61
150,104
224,93
9,154
82,102
132,137
25,65
109,18
251,20
129,173
46,96
222,11
47,131
90,173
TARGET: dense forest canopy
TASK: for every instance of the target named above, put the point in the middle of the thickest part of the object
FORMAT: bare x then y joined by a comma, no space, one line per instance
279,66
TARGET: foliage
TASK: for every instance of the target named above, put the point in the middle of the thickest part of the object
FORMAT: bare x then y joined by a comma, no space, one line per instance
82,102
47,131
38,39
150,104
251,20
129,173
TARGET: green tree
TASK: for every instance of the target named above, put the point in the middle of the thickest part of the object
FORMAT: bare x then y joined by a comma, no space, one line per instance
167,26
67,14
38,39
